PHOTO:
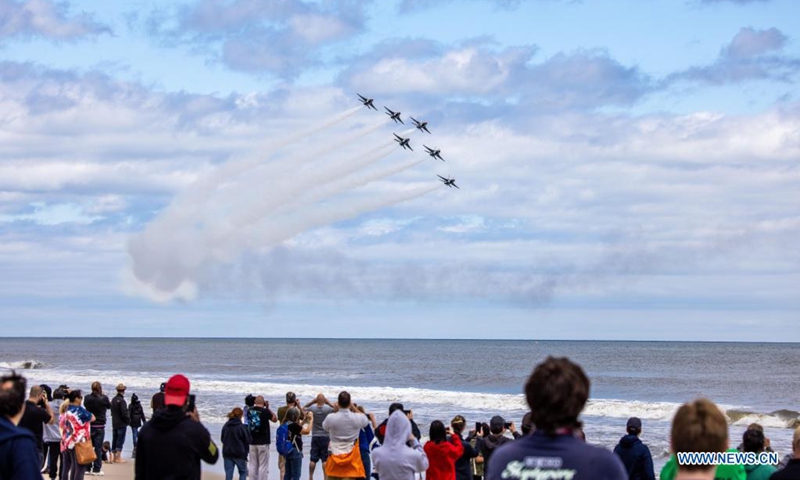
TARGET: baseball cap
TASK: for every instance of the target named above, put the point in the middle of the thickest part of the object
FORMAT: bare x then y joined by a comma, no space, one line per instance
176,390
497,424
634,424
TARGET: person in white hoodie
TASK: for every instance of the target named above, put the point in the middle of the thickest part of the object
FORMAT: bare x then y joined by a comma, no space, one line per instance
401,456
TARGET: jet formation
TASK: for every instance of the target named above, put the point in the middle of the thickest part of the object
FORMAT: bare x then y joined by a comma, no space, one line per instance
404,142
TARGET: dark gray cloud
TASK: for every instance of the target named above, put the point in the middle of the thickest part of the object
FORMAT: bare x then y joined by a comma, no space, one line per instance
751,55
260,36
43,18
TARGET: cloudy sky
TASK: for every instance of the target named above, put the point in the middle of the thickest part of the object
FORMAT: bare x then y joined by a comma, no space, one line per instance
629,169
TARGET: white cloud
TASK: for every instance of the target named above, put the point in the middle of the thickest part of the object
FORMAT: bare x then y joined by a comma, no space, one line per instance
43,17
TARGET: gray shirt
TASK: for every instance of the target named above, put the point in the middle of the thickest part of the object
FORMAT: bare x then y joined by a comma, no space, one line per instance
320,414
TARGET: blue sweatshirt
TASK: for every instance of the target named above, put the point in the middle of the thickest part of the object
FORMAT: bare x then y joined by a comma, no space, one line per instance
19,458
561,457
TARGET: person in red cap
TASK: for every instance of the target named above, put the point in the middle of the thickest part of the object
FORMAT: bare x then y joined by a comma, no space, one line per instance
174,441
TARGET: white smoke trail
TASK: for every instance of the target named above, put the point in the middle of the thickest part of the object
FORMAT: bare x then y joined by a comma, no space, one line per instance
257,204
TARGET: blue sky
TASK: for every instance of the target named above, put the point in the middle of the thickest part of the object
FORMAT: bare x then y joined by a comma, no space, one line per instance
628,169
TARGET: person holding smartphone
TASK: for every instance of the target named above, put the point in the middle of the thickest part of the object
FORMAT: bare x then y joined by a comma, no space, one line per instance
173,442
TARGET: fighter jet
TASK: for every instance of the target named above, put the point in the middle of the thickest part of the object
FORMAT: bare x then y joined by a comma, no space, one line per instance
403,142
420,125
395,115
367,101
434,153
450,182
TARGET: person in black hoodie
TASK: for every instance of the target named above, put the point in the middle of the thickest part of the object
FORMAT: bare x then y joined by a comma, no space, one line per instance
174,441
464,463
634,454
380,432
120,419
97,404
137,420
496,437
236,440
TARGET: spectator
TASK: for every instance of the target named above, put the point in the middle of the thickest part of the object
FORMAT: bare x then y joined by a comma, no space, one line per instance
120,419
556,392
381,430
321,407
757,426
137,420
442,453
37,414
791,471
294,459
344,427
235,444
259,417
75,423
97,404
699,426
496,437
174,441
463,464
753,441
634,454
365,438
400,457
52,433
157,402
18,455
291,402
527,425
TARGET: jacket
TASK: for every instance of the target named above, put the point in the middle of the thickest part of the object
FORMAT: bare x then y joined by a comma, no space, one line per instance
19,457
171,445
136,412
97,404
395,459
236,439
380,432
120,417
759,472
489,445
464,463
636,457
442,458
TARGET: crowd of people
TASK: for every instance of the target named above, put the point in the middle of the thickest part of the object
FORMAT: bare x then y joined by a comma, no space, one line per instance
41,435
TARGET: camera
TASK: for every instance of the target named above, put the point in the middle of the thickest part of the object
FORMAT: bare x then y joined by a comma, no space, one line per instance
507,425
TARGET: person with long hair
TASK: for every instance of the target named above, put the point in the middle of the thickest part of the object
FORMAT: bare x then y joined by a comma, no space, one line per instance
74,423
442,453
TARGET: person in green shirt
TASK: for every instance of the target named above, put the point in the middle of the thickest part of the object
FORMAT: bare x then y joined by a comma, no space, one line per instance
753,441
723,472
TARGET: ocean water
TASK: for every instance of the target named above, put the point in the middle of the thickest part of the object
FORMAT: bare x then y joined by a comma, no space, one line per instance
752,382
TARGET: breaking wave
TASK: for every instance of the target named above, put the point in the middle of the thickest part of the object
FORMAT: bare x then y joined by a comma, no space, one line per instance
421,398
23,365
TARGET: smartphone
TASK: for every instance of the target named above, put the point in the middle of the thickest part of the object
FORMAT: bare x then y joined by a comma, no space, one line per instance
190,407
507,424
478,427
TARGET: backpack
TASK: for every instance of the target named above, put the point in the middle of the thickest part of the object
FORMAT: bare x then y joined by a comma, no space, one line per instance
254,420
282,442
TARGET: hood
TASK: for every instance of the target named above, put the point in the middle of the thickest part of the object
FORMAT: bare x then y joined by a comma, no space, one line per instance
750,468
134,398
8,431
492,441
398,429
629,440
168,418
233,422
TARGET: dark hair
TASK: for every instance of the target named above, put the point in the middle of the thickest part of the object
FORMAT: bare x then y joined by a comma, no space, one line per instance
134,399
633,430
394,407
48,391
753,440
556,391
12,397
250,400
344,400
527,423
74,395
437,432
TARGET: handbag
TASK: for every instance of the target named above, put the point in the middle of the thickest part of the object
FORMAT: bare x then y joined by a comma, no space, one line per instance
84,453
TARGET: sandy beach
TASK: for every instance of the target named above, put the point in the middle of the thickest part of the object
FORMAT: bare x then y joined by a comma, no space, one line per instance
124,471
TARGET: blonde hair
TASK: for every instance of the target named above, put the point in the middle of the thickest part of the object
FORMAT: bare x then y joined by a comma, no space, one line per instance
63,407
796,440
699,426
